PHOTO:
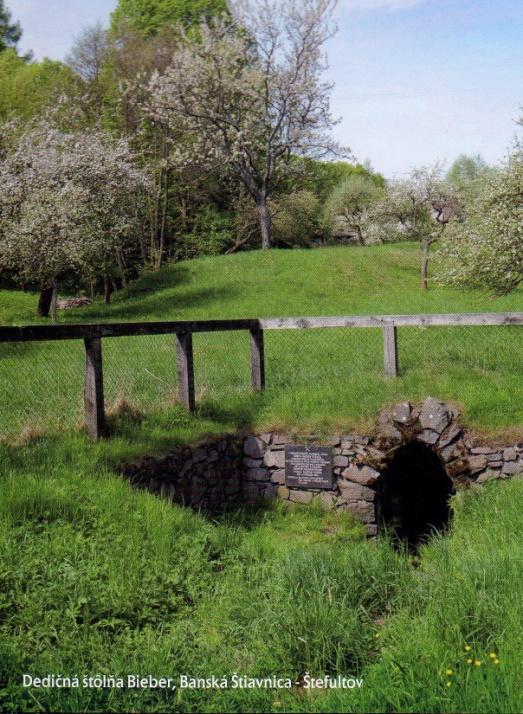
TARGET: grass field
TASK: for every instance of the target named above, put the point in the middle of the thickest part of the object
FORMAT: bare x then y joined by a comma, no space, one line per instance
99,579
315,379
96,578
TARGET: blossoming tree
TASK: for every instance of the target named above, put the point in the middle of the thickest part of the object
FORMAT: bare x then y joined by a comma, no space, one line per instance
249,91
67,205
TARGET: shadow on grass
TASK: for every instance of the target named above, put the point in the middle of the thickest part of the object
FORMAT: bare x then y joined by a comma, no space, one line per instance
156,305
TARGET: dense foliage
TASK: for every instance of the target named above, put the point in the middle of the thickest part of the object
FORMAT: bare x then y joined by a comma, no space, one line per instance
150,16
486,249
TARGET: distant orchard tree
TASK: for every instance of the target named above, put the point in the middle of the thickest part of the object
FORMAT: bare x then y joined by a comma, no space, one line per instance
10,32
249,92
419,208
351,203
486,250
67,202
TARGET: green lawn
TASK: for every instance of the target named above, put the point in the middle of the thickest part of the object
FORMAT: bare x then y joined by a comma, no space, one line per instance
315,379
99,579
96,578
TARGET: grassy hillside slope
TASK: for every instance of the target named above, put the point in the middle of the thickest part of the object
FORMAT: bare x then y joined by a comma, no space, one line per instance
315,379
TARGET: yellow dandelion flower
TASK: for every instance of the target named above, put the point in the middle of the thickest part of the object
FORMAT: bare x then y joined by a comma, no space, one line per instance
448,672
469,661
496,661
449,684
467,648
477,662
493,655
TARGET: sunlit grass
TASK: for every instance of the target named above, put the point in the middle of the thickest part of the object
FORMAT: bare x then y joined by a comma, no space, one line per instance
315,378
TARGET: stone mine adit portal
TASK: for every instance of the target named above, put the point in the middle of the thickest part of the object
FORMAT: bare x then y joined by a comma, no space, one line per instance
399,478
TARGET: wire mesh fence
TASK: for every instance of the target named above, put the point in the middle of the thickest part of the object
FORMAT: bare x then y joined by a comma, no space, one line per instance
312,376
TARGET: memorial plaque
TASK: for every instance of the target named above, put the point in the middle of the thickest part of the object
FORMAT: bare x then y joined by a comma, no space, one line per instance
308,467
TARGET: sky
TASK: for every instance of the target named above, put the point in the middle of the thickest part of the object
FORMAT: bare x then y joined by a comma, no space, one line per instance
417,81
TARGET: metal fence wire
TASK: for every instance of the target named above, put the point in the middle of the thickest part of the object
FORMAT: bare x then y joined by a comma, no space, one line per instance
315,374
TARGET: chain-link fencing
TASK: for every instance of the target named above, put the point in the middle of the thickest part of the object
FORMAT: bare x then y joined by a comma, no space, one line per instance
313,377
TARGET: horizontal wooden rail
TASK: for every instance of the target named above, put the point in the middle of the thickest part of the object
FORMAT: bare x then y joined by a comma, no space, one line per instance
426,320
40,333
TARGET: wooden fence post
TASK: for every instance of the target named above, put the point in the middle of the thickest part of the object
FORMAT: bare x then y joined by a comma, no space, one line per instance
185,370
390,350
257,360
94,389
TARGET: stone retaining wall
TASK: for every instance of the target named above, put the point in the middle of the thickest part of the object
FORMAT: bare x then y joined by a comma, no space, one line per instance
226,472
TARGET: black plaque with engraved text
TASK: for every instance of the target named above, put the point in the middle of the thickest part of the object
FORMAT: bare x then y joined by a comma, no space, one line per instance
308,467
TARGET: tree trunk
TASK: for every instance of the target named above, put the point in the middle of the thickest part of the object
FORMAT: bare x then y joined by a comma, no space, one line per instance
425,265
359,235
54,300
265,223
108,288
44,302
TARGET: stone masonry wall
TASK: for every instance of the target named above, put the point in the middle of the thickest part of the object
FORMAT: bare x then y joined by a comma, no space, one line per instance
225,472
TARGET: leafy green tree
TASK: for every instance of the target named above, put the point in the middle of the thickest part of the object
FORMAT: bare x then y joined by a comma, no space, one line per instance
149,16
10,32
322,177
27,87
466,170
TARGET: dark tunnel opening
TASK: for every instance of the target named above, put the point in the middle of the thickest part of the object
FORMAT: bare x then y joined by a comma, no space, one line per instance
413,497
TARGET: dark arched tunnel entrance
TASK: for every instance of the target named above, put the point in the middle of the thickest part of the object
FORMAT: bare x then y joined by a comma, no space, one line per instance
413,496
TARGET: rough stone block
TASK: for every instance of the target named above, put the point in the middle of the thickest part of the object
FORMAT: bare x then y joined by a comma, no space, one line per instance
252,463
363,510
341,462
482,450
257,475
449,435
301,496
275,459
328,500
510,454
512,467
477,463
253,447
269,491
401,413
429,436
453,451
278,477
355,492
364,475
487,476
266,437
434,415
283,492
